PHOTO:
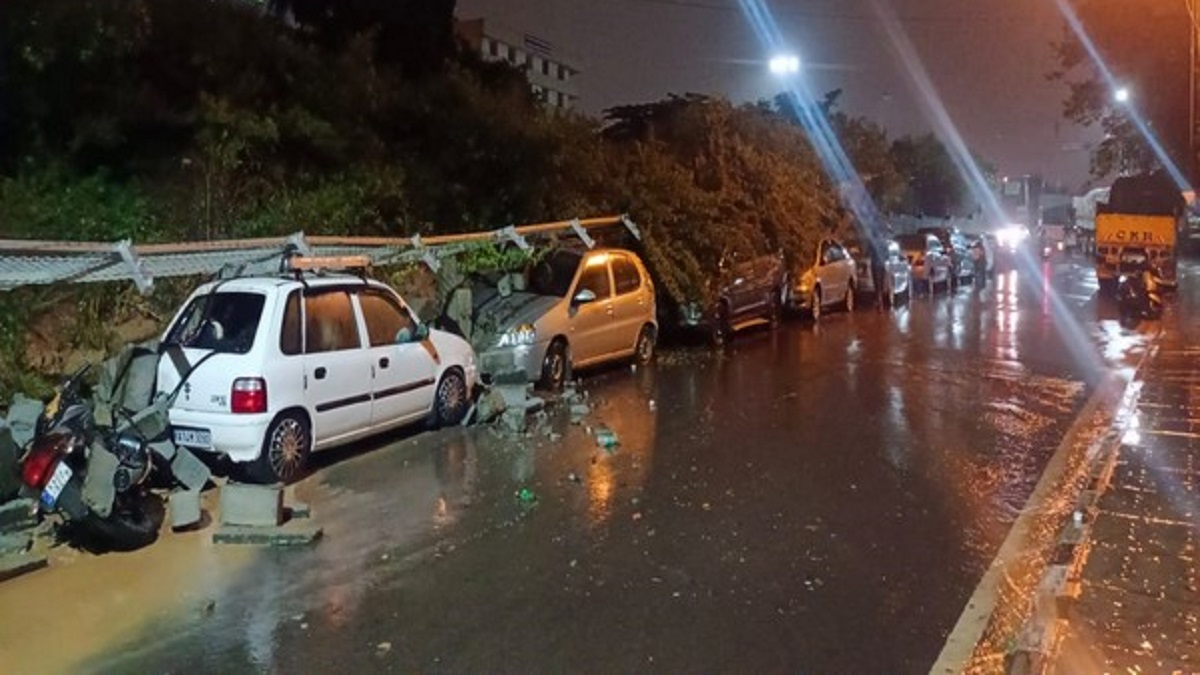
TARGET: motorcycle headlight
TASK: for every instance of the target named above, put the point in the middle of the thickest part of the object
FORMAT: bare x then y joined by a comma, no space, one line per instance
522,335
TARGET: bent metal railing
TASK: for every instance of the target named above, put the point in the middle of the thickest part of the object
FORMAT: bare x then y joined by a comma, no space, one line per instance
31,263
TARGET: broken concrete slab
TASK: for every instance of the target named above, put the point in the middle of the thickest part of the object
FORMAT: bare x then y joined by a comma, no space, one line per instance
245,504
607,438
294,533
21,563
185,508
18,514
490,406
515,420
15,543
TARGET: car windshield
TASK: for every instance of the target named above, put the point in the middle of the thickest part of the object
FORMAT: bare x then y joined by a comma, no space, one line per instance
553,274
222,322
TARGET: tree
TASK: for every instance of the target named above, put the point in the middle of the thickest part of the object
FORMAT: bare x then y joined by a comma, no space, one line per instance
935,187
1145,45
415,35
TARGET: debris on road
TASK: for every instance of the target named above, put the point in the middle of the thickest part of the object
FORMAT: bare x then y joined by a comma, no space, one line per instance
607,438
255,514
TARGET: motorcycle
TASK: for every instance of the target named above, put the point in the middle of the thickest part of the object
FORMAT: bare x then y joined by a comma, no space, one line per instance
1139,296
95,477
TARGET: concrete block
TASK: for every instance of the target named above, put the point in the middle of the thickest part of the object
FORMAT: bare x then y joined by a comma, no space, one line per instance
292,534
515,420
18,542
18,514
16,565
296,509
248,505
514,395
185,508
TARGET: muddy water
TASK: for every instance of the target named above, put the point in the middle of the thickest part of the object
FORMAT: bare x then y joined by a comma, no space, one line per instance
811,500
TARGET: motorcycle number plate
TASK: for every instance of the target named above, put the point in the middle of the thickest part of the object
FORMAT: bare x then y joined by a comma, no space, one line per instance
193,438
58,481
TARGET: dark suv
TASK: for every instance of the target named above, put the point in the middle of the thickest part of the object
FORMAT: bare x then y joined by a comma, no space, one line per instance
750,292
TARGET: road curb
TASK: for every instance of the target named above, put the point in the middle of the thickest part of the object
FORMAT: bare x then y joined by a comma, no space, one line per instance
1037,637
1054,603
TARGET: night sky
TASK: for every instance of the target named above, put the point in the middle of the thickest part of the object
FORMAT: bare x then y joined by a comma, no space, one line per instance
987,58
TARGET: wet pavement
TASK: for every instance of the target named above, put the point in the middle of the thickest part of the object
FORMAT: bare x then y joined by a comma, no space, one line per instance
1139,608
810,500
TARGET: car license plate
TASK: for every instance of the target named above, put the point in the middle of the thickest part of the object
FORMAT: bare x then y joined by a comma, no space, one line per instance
194,438
58,481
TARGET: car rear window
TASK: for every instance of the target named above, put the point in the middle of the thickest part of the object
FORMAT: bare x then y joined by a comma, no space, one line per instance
225,322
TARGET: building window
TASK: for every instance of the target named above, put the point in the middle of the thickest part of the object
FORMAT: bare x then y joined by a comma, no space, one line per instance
562,72
493,48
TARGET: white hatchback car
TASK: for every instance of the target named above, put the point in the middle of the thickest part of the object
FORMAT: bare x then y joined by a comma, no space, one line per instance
274,367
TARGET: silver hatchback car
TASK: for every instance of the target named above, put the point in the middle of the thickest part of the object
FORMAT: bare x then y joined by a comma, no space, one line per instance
578,309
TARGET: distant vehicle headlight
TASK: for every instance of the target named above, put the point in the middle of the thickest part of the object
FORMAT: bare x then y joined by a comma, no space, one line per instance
525,334
1012,236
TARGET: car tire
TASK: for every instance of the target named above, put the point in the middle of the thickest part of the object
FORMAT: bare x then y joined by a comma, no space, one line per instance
285,451
556,365
815,304
643,349
849,301
131,525
451,400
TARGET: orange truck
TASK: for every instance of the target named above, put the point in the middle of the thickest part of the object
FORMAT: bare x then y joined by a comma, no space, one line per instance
1141,221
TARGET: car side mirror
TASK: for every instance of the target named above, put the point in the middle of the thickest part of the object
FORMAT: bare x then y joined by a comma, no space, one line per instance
584,296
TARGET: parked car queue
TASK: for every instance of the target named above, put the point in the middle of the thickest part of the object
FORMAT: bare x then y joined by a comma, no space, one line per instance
271,368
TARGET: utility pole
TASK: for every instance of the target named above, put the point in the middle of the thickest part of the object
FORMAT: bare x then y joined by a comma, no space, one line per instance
1193,28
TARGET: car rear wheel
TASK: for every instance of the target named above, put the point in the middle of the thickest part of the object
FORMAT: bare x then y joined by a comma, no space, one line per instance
451,401
643,352
285,451
556,366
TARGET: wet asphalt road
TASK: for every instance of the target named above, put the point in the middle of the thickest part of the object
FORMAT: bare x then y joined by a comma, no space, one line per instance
812,500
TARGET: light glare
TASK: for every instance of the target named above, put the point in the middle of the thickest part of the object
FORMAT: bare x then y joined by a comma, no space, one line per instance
785,64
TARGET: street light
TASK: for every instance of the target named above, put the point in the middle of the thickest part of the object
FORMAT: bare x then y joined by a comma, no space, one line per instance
784,64
1121,95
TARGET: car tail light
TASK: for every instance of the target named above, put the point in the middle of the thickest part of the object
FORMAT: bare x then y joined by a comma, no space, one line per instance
39,465
248,395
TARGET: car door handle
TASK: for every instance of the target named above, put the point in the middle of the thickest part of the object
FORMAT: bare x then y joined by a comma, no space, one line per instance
319,373
384,362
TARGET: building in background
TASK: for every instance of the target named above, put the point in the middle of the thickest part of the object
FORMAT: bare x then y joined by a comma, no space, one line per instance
551,72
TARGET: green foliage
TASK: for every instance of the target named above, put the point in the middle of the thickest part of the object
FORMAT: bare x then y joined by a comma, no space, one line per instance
935,187
51,203
488,257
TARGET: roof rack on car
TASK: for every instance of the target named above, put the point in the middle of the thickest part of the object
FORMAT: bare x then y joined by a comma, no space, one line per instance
30,263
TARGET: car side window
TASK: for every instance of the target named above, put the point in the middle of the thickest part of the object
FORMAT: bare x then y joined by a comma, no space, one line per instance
291,338
385,317
329,324
595,279
824,254
626,277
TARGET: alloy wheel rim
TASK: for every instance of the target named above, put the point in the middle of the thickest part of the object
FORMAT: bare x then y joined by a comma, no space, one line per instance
287,448
452,394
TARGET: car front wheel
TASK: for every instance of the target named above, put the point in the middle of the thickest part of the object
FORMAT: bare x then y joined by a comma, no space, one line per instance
556,366
451,401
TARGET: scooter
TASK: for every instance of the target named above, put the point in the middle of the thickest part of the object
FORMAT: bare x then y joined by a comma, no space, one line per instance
94,477
1139,297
